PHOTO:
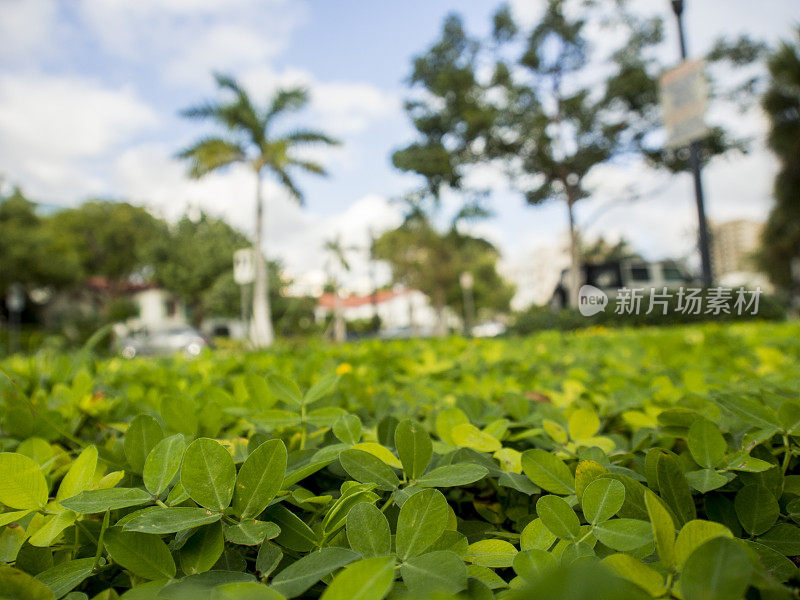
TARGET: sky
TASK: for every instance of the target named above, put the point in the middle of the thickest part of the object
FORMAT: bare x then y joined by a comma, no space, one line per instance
90,94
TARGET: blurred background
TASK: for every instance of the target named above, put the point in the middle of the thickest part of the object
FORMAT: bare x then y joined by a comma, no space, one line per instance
177,173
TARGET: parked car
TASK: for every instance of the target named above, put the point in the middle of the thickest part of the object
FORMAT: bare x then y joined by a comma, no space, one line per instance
167,341
628,273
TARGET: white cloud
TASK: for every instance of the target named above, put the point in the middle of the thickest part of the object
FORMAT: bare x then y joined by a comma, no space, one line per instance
63,116
220,48
191,38
51,125
527,12
340,107
489,176
25,27
350,107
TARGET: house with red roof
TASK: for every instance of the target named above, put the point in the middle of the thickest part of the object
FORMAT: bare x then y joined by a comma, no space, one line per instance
401,310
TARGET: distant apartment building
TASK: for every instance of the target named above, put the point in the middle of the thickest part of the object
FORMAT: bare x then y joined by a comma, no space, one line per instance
733,247
733,244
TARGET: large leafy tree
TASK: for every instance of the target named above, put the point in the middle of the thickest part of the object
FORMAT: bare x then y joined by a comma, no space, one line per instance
454,117
248,138
548,101
33,252
563,122
194,258
781,242
113,239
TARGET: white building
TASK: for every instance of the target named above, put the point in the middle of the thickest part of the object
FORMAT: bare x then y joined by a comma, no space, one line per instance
733,245
158,309
399,309
733,248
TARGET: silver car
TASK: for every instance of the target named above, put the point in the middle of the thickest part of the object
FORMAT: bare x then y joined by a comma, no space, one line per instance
167,341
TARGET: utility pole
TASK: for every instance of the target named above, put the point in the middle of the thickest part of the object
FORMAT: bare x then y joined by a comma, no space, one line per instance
694,161
467,283
373,297
15,302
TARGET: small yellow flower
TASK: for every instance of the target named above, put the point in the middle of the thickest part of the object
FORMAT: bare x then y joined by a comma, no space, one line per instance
344,368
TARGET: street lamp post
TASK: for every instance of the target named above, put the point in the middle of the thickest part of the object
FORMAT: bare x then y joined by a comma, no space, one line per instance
467,283
373,297
15,302
694,162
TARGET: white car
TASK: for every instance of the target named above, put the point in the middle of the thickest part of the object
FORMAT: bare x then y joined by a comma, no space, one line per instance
488,330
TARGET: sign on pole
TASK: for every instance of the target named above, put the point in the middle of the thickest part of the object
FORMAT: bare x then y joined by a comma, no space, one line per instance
684,99
244,266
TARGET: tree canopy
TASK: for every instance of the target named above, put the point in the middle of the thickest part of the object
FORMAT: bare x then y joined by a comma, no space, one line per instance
782,104
120,242
549,104
195,258
34,251
112,238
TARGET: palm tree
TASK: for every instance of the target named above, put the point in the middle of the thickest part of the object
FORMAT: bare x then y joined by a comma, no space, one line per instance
337,256
248,139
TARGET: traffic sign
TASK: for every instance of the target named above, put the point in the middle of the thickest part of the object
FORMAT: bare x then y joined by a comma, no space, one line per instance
244,266
684,99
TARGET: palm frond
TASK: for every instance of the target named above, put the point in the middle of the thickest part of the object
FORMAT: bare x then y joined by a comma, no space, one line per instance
210,154
228,82
289,99
239,114
308,136
288,183
207,110
309,166
336,249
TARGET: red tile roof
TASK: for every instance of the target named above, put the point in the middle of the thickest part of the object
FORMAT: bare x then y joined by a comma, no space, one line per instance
103,284
329,300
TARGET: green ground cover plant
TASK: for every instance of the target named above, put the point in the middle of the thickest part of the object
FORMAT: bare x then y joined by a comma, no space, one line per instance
649,463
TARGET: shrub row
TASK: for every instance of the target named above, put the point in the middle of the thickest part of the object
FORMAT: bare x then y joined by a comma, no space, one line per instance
646,464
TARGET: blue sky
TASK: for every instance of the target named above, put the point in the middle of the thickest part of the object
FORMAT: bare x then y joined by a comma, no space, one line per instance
90,89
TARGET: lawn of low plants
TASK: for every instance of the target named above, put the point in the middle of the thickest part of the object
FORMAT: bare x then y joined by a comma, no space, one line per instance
599,464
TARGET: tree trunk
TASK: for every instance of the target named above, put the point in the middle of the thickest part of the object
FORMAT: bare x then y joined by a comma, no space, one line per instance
339,325
261,324
574,251
441,324
411,322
